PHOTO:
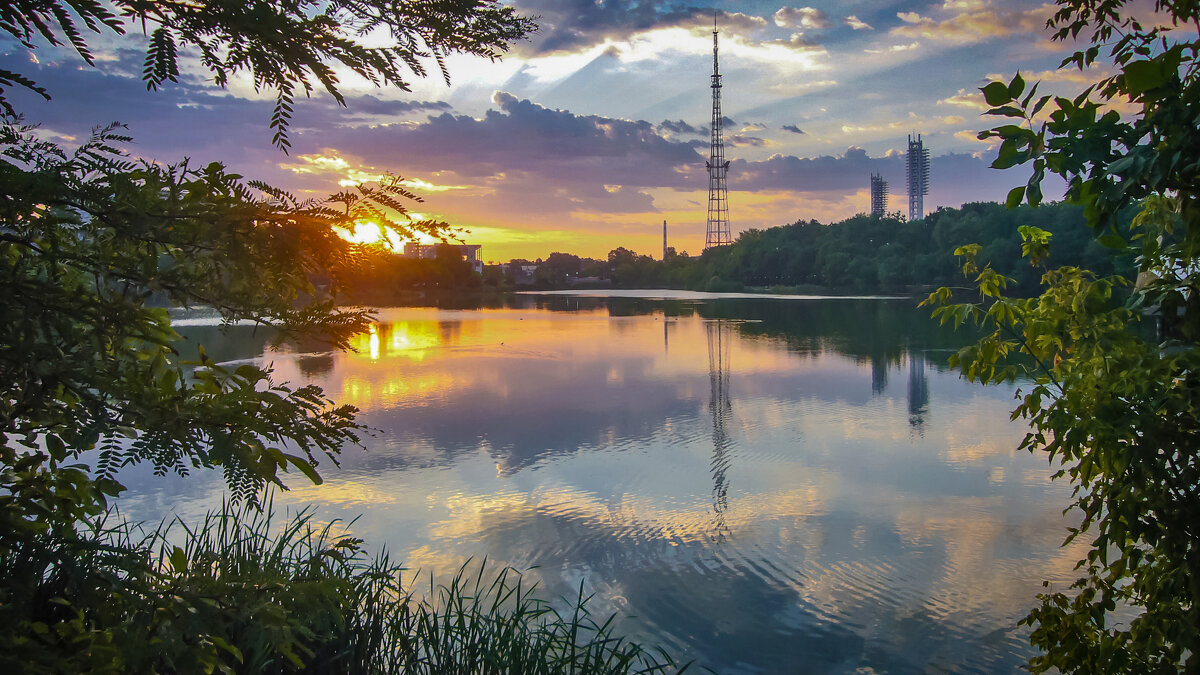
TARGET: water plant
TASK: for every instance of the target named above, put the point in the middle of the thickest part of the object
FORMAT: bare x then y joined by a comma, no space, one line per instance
246,591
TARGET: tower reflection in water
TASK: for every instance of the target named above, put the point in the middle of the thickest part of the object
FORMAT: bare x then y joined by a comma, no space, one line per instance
720,339
918,390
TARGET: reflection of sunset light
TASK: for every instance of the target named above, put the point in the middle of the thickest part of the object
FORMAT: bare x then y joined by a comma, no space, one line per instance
414,340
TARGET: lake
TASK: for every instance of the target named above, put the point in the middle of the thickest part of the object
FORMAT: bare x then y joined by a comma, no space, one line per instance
763,485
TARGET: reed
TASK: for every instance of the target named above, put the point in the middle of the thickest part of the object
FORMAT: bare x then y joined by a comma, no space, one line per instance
246,591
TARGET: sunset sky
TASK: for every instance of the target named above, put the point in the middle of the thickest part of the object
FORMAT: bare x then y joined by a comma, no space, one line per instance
591,133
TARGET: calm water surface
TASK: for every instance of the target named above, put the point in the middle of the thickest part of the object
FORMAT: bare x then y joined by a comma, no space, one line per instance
762,485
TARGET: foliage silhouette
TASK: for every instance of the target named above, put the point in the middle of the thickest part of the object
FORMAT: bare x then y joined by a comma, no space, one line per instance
1119,411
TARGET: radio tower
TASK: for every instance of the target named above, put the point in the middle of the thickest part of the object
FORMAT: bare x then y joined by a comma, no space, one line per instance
718,194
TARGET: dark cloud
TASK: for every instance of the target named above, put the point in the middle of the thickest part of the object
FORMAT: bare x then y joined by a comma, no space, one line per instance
574,25
579,153
522,136
793,128
375,106
955,178
179,118
785,172
801,43
681,127
744,140
554,156
189,117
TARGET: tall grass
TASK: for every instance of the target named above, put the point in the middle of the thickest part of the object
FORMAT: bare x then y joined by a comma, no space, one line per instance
244,591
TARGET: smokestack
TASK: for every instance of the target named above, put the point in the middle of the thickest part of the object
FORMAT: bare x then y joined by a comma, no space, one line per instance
664,240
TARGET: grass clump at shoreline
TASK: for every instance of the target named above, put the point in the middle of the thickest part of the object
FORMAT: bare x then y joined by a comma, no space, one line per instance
245,592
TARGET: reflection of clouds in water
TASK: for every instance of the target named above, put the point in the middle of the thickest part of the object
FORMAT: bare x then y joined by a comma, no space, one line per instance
590,446
794,578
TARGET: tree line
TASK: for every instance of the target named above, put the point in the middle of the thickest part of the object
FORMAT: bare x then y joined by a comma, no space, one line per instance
860,254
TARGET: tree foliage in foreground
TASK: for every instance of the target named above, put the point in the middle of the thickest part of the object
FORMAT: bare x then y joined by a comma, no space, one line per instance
1118,411
93,247
288,47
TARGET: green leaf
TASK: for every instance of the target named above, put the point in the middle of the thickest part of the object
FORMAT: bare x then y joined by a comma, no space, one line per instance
996,94
1016,87
179,561
306,467
1007,111
1114,241
1033,190
56,447
1142,76
223,644
1015,196
1041,103
1009,155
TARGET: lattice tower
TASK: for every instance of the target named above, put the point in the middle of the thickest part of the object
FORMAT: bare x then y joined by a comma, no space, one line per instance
879,195
718,194
918,177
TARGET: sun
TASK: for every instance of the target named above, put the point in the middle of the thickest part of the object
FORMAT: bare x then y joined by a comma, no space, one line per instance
370,233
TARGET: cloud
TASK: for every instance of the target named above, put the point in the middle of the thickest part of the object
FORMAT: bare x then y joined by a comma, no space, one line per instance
374,106
1069,75
536,160
793,128
520,137
786,172
796,88
744,140
801,17
856,24
966,99
800,42
974,23
894,48
576,25
681,127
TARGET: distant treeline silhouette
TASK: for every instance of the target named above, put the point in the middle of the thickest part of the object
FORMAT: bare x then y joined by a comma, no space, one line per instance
860,254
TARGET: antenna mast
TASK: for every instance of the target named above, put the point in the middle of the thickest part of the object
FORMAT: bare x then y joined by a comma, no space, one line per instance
718,194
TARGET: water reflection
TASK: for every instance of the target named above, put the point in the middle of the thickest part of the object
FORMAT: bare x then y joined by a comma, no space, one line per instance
720,338
844,504
918,389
